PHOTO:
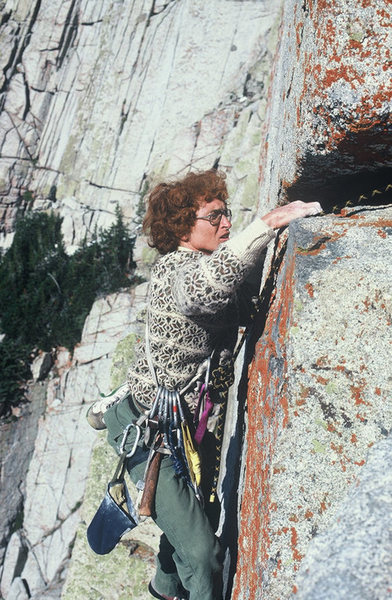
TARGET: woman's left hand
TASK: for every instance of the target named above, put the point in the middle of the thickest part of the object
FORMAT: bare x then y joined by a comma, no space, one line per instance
283,215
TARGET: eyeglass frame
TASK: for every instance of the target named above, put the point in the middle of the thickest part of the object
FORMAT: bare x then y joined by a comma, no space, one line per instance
222,212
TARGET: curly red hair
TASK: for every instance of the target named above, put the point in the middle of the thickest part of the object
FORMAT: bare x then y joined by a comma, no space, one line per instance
172,207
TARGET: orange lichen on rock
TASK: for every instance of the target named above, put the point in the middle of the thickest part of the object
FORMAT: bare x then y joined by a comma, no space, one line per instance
309,289
357,394
268,414
294,541
344,59
323,507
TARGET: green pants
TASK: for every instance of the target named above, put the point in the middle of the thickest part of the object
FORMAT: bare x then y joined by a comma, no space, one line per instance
189,555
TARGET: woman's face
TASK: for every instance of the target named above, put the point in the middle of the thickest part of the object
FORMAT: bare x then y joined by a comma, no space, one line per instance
205,237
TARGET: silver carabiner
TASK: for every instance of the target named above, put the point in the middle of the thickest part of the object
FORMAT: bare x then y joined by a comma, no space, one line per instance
154,407
170,401
124,439
208,369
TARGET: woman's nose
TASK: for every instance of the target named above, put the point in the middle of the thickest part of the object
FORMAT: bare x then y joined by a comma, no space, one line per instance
225,222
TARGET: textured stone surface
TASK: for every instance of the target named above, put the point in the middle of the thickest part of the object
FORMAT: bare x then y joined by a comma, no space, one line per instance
98,96
41,366
52,491
14,555
351,560
330,108
18,590
319,393
16,448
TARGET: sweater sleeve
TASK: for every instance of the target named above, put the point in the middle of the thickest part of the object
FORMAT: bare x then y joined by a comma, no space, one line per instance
248,244
206,284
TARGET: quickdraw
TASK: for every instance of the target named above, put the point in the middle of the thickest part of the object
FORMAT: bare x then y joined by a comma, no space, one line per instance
167,416
364,198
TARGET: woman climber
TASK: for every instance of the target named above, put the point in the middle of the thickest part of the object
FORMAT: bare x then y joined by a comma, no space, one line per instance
196,293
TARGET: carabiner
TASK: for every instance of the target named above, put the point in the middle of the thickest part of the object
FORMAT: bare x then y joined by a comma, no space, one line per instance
208,369
154,407
124,439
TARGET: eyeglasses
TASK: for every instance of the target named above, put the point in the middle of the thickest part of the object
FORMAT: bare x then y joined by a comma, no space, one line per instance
215,216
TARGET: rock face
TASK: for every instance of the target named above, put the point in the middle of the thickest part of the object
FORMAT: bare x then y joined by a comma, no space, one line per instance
99,100
349,559
16,447
38,552
318,402
325,401
328,120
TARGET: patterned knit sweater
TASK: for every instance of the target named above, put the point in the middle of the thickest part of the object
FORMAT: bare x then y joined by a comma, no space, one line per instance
193,309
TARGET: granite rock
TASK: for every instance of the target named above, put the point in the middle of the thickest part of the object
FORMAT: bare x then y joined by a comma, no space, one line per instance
353,558
101,99
319,392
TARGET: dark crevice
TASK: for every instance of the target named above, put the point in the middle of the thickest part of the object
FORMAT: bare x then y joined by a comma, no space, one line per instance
290,86
253,88
27,98
52,193
305,8
124,117
68,34
267,296
368,209
10,62
5,18
232,480
42,91
247,79
319,244
109,187
366,187
91,23
26,587
153,12
17,53
21,558
26,39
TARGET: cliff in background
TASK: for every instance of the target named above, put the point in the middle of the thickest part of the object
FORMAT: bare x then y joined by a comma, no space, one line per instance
292,99
98,99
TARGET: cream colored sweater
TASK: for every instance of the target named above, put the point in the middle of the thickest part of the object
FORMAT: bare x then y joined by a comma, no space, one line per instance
193,308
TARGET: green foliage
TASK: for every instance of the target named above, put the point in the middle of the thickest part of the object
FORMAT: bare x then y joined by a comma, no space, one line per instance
14,366
29,275
45,295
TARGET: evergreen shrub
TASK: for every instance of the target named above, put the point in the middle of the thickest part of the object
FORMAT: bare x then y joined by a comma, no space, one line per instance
46,295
